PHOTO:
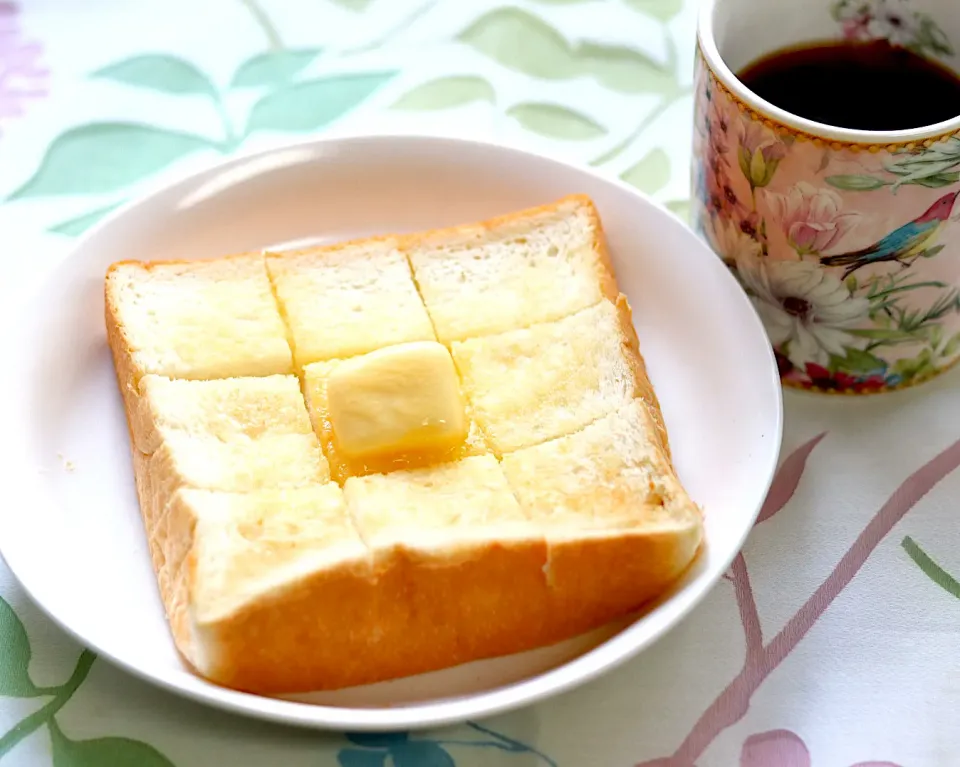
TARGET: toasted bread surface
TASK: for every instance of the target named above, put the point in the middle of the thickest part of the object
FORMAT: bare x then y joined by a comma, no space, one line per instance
531,385
224,409
283,566
348,299
233,557
619,525
195,319
513,271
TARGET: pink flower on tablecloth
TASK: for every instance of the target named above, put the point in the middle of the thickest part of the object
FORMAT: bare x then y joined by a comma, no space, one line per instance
22,78
782,748
776,748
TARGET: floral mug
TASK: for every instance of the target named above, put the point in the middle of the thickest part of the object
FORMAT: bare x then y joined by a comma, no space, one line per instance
845,240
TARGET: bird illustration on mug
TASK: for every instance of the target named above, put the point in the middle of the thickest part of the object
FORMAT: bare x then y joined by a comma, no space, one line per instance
904,244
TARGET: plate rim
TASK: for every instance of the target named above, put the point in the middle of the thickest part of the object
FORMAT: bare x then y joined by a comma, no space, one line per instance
582,669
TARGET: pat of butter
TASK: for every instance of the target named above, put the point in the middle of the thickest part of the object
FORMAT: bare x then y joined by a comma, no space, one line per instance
401,399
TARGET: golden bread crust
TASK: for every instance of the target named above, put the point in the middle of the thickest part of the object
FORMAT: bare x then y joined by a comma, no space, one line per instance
275,579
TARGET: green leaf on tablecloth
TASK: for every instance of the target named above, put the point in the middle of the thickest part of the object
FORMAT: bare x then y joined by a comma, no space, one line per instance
681,208
556,121
102,752
74,226
354,757
446,92
524,42
377,739
651,173
15,660
625,70
273,67
353,5
660,9
420,753
930,568
312,104
103,157
159,72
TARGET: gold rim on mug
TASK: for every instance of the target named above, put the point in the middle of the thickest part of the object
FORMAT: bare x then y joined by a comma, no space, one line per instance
818,141
882,333
802,127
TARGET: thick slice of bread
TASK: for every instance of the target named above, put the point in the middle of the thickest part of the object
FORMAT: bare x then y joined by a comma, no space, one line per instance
347,299
234,434
194,319
619,525
315,392
566,514
239,465
535,384
224,409
513,271
452,540
267,589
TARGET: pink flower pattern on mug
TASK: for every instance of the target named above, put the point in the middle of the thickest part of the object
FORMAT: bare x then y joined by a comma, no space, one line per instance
22,78
892,20
811,217
760,152
848,286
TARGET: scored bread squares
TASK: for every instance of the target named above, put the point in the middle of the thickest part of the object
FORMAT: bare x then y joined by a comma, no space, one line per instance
193,320
273,590
468,563
233,434
510,273
259,557
241,435
513,271
620,527
531,385
347,299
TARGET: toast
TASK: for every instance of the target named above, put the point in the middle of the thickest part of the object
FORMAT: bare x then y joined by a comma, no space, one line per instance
291,556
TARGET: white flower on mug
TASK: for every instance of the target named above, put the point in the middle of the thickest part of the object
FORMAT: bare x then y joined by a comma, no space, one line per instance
893,20
760,153
802,305
733,244
810,217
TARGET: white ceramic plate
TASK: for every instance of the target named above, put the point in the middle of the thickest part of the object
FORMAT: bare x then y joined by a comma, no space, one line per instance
70,529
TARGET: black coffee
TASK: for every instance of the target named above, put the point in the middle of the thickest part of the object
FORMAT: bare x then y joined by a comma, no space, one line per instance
863,85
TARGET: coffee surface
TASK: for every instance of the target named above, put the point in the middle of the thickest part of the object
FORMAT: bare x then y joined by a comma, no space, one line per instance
862,85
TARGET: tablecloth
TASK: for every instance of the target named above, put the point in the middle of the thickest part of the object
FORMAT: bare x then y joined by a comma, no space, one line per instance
834,639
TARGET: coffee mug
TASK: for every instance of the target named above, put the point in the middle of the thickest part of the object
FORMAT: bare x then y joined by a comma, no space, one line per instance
845,240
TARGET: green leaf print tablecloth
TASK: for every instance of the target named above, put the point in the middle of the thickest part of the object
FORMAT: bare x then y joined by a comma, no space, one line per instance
835,637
